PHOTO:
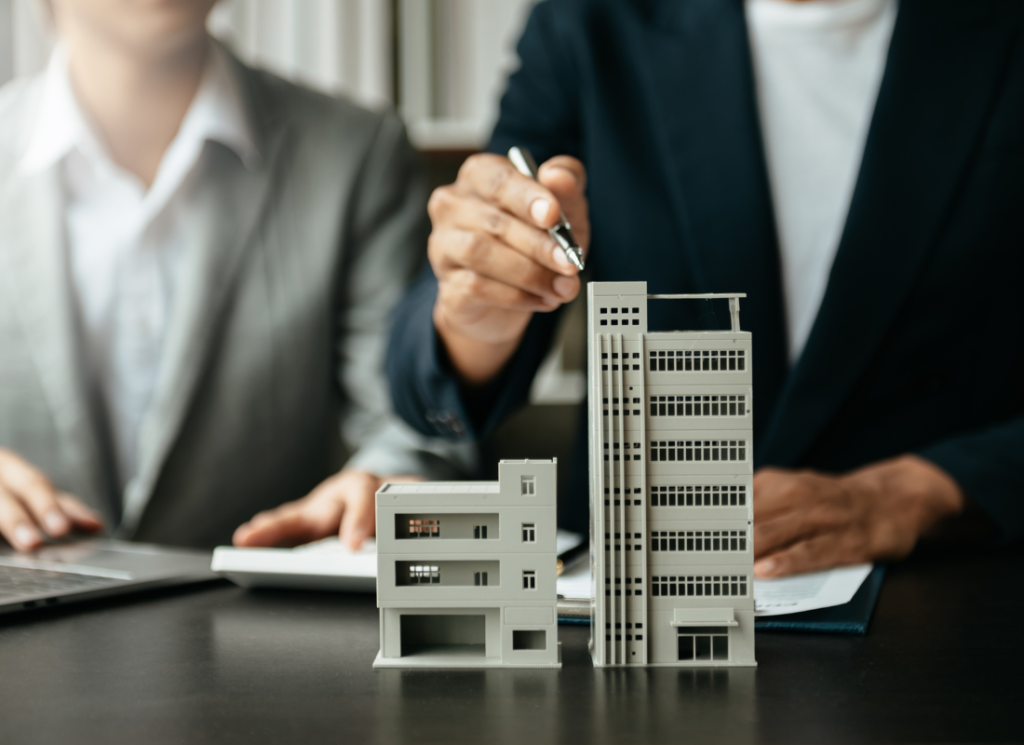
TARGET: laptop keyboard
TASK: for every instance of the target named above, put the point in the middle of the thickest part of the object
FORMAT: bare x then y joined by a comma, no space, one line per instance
19,581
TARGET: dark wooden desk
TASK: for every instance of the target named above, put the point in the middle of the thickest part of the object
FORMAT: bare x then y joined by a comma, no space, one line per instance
943,663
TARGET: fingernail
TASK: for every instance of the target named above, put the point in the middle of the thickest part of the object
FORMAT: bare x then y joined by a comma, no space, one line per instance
560,258
539,210
564,286
26,535
567,172
56,522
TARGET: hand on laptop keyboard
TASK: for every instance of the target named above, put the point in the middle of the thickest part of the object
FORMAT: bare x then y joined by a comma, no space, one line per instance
31,505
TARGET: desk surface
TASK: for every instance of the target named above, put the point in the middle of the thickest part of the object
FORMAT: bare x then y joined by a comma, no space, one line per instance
942,663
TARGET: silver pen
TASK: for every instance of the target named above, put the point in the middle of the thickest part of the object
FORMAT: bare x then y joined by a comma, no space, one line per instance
562,232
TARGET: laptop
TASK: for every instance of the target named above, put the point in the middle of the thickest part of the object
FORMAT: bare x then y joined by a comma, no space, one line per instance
83,570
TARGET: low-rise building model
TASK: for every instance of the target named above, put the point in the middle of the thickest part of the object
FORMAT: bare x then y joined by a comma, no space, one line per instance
466,571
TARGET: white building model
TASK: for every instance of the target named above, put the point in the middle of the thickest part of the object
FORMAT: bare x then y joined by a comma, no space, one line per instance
466,571
671,486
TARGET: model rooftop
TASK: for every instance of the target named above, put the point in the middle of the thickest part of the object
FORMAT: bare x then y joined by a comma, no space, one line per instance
443,487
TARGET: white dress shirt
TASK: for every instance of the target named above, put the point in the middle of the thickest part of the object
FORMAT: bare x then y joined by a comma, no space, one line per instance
817,67
126,243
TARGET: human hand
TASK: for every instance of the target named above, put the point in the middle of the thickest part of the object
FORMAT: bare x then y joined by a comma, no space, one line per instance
806,521
496,264
29,503
342,505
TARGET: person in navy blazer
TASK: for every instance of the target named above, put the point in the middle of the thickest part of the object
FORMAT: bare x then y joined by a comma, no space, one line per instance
904,415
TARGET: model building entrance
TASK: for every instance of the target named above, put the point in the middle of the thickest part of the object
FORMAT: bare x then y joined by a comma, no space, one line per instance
703,644
461,635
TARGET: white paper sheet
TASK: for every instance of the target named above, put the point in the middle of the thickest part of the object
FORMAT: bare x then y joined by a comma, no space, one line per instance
575,583
771,597
803,592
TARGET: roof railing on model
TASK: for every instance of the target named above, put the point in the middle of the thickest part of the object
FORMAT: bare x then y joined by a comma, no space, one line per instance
732,297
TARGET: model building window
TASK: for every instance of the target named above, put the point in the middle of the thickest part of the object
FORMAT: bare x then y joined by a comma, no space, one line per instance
529,579
424,575
480,531
699,360
699,496
528,486
620,546
699,540
703,643
698,405
618,582
530,532
708,586
699,450
425,528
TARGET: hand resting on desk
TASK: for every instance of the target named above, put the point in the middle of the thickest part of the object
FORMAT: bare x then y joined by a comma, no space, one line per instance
342,505
805,521
29,503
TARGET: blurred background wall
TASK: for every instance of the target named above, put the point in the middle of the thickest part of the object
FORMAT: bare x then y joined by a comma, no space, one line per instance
442,64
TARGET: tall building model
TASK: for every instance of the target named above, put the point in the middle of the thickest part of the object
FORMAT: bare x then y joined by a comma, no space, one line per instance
466,571
671,486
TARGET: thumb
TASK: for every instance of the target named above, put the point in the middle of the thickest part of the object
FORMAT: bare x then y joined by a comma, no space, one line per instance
566,178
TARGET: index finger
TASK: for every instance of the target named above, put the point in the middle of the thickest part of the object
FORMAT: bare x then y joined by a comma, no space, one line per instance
36,493
494,179
287,525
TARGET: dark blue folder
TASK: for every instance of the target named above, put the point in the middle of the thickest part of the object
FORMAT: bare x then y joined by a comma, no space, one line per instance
851,618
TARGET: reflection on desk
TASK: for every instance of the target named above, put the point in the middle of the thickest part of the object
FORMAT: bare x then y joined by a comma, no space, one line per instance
224,665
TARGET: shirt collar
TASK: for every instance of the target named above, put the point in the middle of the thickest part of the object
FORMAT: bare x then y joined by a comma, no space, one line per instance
60,125
217,113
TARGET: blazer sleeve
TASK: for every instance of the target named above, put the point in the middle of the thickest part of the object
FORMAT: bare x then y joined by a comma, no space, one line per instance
539,110
383,249
989,467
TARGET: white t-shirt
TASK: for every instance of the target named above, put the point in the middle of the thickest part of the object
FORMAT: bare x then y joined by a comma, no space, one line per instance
817,69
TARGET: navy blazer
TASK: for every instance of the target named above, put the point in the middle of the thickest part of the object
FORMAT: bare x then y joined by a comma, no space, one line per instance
919,342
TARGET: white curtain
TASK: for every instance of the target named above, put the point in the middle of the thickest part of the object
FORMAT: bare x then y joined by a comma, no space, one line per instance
337,46
453,56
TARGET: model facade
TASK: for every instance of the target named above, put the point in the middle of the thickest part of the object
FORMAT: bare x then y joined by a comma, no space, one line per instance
466,571
671,486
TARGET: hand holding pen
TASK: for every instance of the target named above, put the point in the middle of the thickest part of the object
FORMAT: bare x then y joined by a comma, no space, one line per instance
501,248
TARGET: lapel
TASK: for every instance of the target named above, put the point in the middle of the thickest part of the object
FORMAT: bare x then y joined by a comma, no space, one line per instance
697,70
943,71
35,276
231,204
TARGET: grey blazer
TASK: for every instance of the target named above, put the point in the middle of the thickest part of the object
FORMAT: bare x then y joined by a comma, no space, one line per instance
271,373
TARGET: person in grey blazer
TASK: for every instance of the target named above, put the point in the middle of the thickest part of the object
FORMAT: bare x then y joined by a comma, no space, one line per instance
197,265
